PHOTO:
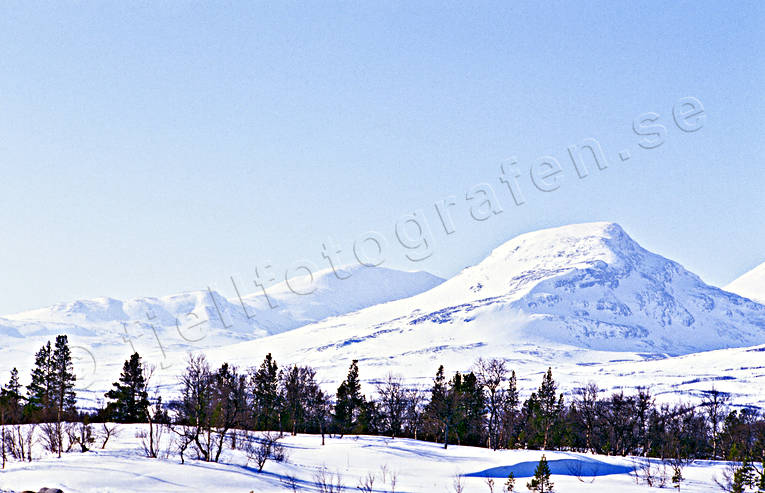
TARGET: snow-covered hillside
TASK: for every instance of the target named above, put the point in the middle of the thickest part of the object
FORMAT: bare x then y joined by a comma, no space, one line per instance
591,285
413,466
224,320
203,319
105,331
585,299
750,285
583,287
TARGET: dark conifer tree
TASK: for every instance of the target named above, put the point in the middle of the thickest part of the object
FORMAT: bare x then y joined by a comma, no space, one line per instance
40,390
541,480
643,405
370,418
130,397
509,486
63,377
11,393
468,399
10,410
265,394
509,419
530,434
549,409
440,410
349,403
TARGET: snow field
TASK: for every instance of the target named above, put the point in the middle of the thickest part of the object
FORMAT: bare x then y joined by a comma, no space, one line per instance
417,467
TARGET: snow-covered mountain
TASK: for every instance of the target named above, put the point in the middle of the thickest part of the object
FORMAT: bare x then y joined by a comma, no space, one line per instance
208,316
584,285
576,297
585,299
105,331
281,309
750,285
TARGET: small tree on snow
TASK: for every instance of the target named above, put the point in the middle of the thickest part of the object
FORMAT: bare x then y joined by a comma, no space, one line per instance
739,479
510,483
677,477
541,480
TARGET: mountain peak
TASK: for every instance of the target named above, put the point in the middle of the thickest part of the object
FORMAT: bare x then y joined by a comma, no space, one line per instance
585,238
592,285
532,257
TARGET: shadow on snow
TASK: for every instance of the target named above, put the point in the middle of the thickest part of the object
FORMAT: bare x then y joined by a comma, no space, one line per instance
580,467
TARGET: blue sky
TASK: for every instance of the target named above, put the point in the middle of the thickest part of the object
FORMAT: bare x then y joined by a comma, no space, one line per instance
150,148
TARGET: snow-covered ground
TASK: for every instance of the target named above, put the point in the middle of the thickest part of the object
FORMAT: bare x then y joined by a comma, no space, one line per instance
417,466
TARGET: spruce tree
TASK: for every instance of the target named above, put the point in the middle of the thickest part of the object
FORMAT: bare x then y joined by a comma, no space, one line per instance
295,389
743,477
63,377
265,394
510,410
13,387
349,403
11,392
549,407
541,480
40,389
130,398
468,400
440,410
530,433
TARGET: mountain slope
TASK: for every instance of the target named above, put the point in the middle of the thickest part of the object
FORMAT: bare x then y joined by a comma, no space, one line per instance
281,309
582,294
585,299
207,318
750,285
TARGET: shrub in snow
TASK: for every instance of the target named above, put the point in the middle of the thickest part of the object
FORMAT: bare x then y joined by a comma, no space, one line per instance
541,480
259,450
327,482
510,483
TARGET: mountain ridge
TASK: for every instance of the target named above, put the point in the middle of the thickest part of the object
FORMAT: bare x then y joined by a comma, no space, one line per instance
248,317
586,287
585,298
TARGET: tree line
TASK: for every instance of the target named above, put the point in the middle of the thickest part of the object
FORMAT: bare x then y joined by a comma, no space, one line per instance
480,407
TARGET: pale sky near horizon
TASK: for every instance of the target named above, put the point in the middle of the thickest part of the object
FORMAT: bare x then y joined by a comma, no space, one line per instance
157,147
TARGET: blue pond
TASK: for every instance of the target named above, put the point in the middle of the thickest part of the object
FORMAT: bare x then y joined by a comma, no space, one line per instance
582,467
